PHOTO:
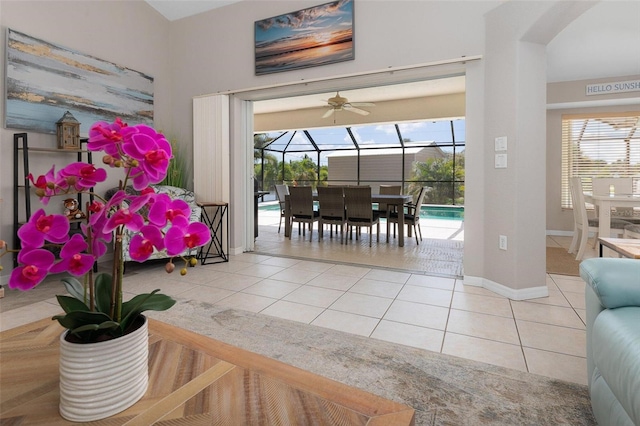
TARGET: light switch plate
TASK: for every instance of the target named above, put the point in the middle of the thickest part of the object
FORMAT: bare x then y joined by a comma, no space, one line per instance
501,161
501,143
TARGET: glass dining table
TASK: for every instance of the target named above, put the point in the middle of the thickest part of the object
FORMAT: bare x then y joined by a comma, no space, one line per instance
392,200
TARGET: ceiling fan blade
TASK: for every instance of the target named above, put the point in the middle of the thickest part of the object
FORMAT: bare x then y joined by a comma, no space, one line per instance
356,110
362,104
328,113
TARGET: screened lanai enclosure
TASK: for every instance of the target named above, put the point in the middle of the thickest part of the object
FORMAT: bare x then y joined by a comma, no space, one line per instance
411,154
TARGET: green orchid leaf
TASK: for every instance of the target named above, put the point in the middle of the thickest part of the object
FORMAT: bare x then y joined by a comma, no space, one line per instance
103,293
75,319
107,325
144,302
75,288
71,304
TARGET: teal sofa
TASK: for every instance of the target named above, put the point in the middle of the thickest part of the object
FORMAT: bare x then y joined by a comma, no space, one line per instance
613,338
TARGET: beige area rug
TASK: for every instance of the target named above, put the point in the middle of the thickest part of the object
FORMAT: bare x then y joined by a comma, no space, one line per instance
560,262
444,390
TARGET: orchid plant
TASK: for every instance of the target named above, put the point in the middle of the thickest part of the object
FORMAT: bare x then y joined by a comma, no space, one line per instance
94,310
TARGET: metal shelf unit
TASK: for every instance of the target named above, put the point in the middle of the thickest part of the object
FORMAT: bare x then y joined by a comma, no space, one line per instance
22,185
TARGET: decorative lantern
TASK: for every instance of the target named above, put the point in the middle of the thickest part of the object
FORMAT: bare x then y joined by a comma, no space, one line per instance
68,132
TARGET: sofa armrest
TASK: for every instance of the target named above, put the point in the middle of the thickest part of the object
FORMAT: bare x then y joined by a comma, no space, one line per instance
616,282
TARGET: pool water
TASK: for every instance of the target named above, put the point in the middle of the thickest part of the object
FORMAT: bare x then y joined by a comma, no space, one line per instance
426,212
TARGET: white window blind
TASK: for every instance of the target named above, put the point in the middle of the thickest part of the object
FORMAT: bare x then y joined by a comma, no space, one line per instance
602,145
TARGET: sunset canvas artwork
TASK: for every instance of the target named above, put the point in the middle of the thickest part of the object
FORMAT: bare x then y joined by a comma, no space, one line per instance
309,37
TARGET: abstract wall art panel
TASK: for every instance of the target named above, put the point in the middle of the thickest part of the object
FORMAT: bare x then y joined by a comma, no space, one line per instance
44,80
309,37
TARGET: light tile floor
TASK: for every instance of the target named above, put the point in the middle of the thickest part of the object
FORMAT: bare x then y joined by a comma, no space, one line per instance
544,336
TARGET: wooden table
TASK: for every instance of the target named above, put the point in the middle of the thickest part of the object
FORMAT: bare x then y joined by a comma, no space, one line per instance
192,380
393,200
628,247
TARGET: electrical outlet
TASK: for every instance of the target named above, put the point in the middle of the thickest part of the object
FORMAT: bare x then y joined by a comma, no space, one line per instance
503,242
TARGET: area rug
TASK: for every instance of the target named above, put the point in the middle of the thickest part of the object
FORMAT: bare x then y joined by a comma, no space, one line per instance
559,261
444,390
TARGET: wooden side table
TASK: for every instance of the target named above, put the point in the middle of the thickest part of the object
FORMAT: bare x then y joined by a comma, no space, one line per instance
627,247
218,222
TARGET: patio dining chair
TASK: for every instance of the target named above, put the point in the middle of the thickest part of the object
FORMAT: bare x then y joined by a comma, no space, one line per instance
411,217
332,210
360,213
281,192
301,203
385,209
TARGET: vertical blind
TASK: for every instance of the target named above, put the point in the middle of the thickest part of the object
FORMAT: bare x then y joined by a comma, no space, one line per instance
599,145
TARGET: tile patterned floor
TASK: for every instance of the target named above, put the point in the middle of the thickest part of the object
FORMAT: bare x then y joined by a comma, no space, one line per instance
544,336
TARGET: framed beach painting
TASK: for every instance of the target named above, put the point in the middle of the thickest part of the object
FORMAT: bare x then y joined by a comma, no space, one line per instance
44,80
306,38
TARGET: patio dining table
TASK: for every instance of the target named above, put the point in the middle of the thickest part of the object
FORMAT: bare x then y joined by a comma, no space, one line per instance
392,200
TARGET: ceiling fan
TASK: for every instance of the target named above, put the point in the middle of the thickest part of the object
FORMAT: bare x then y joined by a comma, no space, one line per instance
338,103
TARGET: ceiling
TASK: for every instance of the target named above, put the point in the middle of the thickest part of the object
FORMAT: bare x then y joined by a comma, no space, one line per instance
605,37
435,87
178,9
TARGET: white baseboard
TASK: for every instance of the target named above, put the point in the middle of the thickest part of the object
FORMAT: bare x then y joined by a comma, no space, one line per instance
556,233
502,290
234,251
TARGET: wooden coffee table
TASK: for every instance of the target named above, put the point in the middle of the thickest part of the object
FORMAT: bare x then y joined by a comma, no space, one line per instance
193,379
628,247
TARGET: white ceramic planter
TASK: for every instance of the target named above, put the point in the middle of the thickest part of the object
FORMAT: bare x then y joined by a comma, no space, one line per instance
98,380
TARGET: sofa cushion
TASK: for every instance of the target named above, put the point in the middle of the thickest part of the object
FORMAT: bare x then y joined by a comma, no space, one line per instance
616,282
606,408
616,353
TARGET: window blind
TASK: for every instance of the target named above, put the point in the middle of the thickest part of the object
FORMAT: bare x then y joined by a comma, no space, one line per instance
599,145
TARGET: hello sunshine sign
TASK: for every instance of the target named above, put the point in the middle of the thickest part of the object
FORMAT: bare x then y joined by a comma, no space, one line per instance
306,38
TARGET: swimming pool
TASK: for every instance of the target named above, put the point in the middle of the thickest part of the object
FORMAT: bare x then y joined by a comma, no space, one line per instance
426,212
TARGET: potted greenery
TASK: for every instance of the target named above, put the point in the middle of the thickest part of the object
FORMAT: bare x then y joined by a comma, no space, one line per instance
95,316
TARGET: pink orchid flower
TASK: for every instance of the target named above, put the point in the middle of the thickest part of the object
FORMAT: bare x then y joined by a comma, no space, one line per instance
142,244
41,227
87,175
184,235
73,260
153,153
106,137
126,217
35,265
45,183
164,209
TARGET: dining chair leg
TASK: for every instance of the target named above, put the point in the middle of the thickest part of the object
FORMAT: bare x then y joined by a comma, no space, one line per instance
583,243
574,241
280,224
